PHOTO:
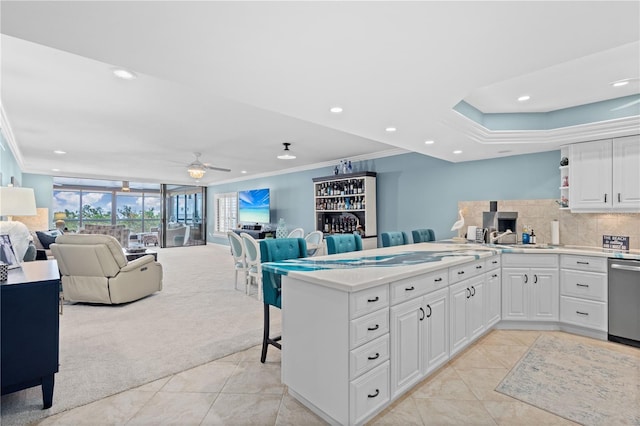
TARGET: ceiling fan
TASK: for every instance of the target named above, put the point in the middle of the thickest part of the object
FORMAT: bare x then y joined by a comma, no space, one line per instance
197,168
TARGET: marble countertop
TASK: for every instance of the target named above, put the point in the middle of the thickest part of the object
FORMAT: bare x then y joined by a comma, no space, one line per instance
360,270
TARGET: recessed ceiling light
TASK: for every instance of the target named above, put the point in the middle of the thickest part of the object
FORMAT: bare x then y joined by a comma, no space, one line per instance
243,171
429,142
55,170
620,83
59,152
390,129
457,151
524,98
124,74
336,110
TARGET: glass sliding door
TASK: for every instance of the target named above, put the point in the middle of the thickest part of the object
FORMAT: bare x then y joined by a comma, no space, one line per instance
184,218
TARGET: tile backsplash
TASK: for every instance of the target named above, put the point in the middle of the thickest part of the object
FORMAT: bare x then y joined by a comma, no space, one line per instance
582,229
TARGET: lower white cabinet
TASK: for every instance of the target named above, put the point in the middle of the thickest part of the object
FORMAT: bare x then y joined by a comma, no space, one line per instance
583,292
530,287
492,298
467,312
369,393
419,339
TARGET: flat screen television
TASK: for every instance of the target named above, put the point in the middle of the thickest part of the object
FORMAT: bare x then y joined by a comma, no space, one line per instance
254,206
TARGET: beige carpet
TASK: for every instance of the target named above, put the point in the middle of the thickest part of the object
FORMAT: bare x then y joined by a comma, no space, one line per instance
198,317
586,381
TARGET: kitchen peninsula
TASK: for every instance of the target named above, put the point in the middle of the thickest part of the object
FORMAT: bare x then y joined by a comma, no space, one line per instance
362,328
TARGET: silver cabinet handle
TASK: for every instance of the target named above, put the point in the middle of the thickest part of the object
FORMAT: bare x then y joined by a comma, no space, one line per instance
625,267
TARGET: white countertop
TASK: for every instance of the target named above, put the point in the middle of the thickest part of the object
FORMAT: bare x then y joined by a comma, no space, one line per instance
360,270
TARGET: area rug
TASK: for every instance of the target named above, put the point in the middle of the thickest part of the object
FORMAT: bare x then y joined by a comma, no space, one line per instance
579,380
196,318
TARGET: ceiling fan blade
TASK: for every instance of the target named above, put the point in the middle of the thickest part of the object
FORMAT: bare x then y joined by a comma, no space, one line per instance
216,168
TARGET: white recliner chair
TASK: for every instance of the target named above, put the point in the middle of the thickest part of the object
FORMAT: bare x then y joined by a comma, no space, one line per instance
95,270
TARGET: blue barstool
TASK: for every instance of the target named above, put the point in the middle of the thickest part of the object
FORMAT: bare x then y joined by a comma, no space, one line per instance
274,250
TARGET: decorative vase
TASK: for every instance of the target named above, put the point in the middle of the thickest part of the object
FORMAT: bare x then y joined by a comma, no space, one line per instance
281,230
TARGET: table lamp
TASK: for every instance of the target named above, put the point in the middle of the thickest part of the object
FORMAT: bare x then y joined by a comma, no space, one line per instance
17,202
59,218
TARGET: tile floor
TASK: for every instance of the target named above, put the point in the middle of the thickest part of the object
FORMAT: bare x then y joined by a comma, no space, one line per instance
239,390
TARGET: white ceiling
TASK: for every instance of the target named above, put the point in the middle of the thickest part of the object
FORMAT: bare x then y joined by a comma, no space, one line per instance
233,80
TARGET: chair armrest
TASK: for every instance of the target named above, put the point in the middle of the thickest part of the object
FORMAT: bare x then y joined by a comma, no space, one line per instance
135,264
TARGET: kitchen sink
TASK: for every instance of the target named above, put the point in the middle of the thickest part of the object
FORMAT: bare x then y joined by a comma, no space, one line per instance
528,246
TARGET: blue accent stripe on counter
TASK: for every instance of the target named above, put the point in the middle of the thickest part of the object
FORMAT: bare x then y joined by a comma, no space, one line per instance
380,261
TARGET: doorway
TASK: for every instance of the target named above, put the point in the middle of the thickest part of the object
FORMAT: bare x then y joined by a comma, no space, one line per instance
184,219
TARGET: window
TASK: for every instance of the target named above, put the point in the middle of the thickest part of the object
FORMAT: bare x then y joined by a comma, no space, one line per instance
226,211
138,211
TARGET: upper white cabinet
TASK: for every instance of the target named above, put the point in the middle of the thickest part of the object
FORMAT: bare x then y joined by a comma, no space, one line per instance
605,175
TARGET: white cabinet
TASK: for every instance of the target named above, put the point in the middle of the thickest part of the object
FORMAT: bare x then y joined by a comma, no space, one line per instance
605,175
435,333
583,291
530,287
419,339
493,292
406,344
467,312
343,202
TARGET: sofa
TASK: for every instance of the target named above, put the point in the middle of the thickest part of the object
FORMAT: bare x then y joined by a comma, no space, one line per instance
42,241
119,232
94,269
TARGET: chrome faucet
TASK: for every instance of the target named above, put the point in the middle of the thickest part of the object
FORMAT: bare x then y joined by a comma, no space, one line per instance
495,236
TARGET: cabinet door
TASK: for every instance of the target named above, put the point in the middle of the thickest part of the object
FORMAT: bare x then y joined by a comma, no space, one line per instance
626,173
458,337
492,298
435,330
544,294
475,307
405,344
514,297
591,176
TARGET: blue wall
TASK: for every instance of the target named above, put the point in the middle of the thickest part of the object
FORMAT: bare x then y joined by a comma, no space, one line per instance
8,164
413,190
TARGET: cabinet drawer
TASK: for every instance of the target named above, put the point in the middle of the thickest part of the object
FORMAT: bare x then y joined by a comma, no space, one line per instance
369,300
515,260
368,327
584,263
588,285
467,270
493,263
585,313
368,356
369,392
418,286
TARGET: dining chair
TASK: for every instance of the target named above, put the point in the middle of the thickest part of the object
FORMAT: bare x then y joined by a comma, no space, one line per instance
239,258
343,243
423,235
398,238
296,233
314,242
275,250
252,256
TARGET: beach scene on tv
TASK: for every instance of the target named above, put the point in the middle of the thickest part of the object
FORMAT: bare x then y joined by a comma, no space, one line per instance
253,206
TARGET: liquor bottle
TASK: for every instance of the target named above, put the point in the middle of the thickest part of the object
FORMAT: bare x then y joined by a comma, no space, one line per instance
344,166
532,237
326,225
349,168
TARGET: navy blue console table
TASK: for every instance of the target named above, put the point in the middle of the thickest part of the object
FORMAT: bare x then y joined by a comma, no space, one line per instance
30,328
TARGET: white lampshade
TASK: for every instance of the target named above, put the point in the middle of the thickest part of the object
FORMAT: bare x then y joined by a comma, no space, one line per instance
17,201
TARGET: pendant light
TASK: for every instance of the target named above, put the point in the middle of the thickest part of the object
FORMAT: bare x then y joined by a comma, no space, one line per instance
125,186
286,155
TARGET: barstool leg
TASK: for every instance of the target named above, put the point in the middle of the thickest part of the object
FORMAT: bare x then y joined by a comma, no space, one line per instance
265,337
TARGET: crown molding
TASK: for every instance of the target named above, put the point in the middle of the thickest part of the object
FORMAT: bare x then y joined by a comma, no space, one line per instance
5,127
579,133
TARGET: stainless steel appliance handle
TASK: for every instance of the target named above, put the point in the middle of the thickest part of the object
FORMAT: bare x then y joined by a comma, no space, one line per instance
625,267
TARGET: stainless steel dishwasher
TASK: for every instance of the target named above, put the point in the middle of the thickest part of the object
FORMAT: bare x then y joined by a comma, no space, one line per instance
624,301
